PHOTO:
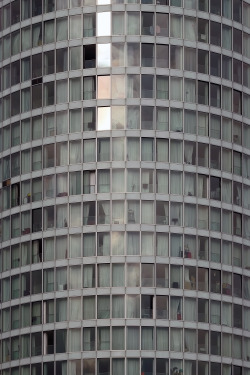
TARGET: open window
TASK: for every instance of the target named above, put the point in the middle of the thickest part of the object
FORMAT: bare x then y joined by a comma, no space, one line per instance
48,342
147,307
89,56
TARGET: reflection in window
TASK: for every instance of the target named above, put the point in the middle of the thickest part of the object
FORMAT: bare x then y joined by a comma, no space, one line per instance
103,87
133,86
161,24
175,57
103,24
118,117
103,55
118,86
104,118
147,24
118,54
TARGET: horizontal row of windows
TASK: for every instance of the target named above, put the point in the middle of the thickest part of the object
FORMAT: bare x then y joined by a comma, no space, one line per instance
130,366
105,276
103,181
80,308
148,150
151,24
121,54
161,213
21,10
104,338
62,91
136,117
113,23
119,243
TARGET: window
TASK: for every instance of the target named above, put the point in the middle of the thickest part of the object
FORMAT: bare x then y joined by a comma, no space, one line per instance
103,366
203,92
117,23
89,27
147,86
237,8
103,24
161,24
133,23
202,30
190,29
37,33
36,96
61,29
215,33
176,26
227,8
237,102
89,119
147,55
190,59
237,40
104,87
175,57
176,88
103,149
89,56
215,7
118,54
246,75
75,58
215,65
203,5
49,62
49,6
89,89
61,60
215,95
75,27
147,24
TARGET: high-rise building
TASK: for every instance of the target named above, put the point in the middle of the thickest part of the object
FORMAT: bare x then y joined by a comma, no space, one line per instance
125,187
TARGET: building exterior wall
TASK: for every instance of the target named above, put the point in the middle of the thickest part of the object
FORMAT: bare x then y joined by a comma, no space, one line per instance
125,187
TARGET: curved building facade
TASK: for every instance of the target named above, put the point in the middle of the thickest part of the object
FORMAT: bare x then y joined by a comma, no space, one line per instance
125,187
